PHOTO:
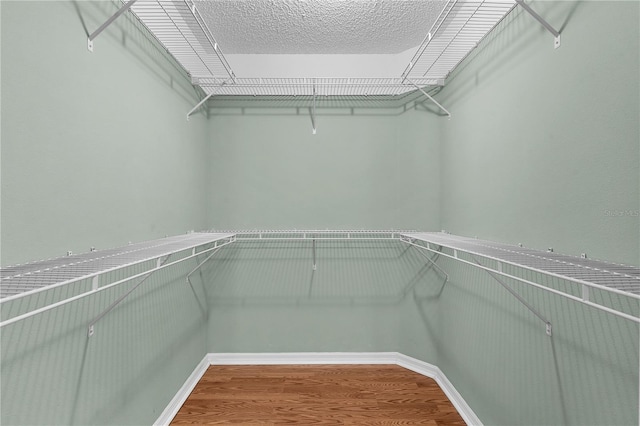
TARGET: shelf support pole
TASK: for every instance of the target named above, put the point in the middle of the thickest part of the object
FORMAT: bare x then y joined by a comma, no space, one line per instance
430,97
556,34
102,27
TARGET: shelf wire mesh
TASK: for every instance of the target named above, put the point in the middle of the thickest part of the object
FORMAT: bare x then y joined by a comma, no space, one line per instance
604,274
456,32
19,280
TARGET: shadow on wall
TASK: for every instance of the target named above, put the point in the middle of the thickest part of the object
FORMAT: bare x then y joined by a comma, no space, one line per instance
346,274
54,373
138,42
496,352
499,49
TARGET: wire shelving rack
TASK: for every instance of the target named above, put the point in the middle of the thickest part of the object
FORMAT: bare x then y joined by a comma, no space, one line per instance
584,274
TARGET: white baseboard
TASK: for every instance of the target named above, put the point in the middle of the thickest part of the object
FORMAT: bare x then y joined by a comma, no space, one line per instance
405,361
176,402
298,358
447,387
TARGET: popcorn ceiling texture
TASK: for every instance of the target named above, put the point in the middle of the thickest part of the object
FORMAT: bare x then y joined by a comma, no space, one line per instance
319,26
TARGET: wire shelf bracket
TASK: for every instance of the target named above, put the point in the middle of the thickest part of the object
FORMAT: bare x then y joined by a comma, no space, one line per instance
108,22
30,279
430,97
587,274
312,111
556,33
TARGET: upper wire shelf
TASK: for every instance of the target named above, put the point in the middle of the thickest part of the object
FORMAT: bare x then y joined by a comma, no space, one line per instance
587,273
178,25
459,28
320,87
315,235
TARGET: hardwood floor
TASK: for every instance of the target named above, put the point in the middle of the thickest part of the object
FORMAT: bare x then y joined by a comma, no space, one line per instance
317,394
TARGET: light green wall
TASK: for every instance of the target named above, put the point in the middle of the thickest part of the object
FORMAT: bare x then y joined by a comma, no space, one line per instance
498,356
96,149
362,171
96,152
363,297
268,171
125,374
543,143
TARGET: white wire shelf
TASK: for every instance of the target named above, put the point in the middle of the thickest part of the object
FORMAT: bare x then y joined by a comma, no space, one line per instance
455,33
587,273
315,235
24,280
177,24
319,87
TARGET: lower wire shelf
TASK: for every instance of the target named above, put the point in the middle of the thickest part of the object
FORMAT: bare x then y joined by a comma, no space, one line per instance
498,259
30,279
493,257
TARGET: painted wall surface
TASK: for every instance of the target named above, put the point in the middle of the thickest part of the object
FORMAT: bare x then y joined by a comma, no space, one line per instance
96,150
125,374
268,171
363,296
543,149
498,356
544,145
358,172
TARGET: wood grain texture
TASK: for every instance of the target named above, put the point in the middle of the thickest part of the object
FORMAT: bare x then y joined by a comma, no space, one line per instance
373,395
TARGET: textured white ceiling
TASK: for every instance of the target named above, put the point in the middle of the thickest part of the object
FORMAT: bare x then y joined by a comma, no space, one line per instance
319,26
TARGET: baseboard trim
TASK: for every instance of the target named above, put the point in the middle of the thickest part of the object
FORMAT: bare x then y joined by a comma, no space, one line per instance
430,370
402,360
183,393
293,358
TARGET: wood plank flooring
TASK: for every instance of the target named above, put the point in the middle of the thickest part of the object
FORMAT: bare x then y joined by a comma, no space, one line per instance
317,394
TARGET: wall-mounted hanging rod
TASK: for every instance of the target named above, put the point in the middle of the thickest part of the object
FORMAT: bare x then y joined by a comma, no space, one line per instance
102,27
430,97
556,34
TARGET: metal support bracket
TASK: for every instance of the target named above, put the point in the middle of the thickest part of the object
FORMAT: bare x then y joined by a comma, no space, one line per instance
312,111
556,34
435,265
206,98
430,97
102,27
313,248
548,327
159,263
